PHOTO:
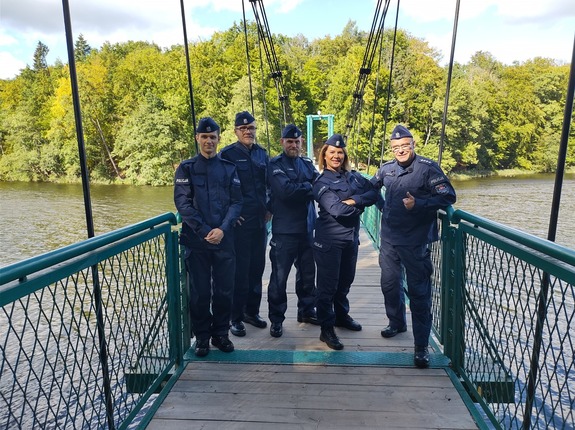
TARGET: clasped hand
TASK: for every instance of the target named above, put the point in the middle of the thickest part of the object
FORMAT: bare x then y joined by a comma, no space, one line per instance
215,236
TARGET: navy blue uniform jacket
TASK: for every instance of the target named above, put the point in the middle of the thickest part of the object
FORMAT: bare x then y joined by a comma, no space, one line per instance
207,195
337,220
252,170
425,181
292,202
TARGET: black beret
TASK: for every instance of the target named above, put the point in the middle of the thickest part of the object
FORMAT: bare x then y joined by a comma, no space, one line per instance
290,131
399,132
207,125
336,140
243,118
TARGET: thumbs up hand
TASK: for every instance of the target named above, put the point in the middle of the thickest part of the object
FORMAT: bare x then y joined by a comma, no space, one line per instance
409,201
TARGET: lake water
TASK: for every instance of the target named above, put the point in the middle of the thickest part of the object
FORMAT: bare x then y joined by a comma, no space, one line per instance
40,217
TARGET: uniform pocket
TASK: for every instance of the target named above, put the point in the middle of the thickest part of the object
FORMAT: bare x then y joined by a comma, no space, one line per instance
199,181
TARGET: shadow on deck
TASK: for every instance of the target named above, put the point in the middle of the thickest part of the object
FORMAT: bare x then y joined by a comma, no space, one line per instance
297,382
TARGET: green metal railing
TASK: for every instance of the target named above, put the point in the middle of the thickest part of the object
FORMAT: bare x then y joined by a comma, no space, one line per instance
504,314
91,333
503,307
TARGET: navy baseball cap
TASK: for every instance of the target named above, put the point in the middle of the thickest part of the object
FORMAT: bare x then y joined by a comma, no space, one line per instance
399,132
336,140
291,131
243,118
207,125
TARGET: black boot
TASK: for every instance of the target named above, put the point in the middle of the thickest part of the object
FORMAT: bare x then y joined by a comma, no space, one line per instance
328,336
421,357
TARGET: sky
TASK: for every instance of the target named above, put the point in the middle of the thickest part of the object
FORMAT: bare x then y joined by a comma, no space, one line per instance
511,30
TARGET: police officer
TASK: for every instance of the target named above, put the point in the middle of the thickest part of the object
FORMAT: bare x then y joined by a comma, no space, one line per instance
251,161
415,188
208,197
291,177
342,195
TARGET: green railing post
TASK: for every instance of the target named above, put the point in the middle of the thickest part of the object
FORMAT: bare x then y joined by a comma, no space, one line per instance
174,298
457,288
448,281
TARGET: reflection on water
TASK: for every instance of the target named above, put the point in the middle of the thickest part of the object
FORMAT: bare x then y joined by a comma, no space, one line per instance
38,217
523,203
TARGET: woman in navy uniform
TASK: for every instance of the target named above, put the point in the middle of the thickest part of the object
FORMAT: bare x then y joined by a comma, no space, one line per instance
208,197
291,177
251,161
415,188
342,195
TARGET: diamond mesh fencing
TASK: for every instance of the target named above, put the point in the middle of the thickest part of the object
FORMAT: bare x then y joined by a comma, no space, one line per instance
87,340
514,346
503,312
87,349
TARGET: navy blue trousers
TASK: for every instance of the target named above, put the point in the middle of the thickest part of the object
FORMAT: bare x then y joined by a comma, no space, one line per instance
335,263
418,270
285,251
250,245
211,290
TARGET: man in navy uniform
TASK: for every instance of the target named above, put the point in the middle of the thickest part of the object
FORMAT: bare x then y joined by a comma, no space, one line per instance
415,188
291,177
208,197
251,161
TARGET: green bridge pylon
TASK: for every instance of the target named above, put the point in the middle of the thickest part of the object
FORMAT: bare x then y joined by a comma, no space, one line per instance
310,120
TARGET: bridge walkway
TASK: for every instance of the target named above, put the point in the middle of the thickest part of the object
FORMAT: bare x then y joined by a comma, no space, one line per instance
297,382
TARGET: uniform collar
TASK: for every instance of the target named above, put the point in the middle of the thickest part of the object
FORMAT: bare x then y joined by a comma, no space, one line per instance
243,148
334,174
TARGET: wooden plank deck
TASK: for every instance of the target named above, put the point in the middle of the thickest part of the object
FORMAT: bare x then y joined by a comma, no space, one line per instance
297,382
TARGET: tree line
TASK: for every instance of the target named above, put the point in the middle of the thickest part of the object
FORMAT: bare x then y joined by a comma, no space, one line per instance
137,112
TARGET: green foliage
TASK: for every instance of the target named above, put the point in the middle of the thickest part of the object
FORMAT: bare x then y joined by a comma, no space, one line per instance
137,112
150,144
81,49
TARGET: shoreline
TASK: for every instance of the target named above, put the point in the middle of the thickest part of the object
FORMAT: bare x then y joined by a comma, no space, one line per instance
459,176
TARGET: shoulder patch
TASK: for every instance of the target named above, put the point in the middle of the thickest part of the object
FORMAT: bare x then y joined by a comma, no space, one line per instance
441,188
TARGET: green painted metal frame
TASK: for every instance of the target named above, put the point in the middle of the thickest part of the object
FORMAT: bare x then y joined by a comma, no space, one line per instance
309,122
24,278
334,358
31,275
549,257
457,225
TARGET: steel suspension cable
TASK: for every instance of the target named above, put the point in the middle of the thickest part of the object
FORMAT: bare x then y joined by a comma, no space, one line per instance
374,38
273,63
375,98
363,72
264,102
386,113
449,73
188,69
248,57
